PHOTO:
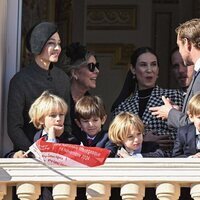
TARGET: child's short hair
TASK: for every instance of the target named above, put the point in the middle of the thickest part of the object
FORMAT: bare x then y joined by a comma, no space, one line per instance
89,106
120,127
44,105
194,105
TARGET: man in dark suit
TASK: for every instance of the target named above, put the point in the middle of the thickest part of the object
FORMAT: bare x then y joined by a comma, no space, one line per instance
188,137
188,41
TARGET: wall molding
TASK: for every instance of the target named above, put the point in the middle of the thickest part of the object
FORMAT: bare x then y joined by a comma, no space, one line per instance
111,17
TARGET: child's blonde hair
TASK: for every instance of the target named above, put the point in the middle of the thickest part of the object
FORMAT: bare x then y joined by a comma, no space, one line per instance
89,106
120,127
44,105
194,105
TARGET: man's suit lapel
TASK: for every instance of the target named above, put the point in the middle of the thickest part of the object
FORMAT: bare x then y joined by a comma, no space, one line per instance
189,91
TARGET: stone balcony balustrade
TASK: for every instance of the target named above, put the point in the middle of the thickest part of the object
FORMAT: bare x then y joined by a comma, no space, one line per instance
167,175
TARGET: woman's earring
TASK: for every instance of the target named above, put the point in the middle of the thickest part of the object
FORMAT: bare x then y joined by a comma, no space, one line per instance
75,77
132,69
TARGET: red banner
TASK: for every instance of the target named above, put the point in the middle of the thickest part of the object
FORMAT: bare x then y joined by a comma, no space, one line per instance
68,154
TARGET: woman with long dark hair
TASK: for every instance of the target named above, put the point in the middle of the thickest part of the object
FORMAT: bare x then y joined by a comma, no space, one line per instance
145,68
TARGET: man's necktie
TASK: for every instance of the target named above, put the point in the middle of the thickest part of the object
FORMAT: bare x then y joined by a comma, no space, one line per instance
188,95
89,141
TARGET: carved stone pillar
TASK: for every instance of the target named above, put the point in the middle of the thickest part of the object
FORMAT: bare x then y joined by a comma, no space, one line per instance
98,191
132,191
64,191
28,191
168,191
195,191
3,190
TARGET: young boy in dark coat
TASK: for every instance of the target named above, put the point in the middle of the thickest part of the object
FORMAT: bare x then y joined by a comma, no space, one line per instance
90,117
126,131
187,142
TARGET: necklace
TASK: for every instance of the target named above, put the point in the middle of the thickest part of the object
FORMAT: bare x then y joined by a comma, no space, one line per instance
144,97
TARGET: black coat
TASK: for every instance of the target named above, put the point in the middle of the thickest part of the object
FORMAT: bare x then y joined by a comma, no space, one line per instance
25,87
101,140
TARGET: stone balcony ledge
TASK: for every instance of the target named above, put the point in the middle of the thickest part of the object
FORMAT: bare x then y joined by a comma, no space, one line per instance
167,175
114,170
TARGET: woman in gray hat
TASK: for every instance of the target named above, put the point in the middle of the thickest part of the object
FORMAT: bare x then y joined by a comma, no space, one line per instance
43,42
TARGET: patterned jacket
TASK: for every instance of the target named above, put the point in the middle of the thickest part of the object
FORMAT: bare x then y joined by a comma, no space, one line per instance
131,104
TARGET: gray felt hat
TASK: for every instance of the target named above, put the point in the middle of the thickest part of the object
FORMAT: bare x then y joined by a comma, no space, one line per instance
39,35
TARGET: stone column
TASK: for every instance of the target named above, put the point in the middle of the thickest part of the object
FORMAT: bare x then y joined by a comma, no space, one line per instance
64,191
195,191
28,191
132,191
3,190
98,191
168,191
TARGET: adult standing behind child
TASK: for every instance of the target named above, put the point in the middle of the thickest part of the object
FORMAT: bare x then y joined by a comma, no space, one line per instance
43,41
182,74
188,41
83,70
145,67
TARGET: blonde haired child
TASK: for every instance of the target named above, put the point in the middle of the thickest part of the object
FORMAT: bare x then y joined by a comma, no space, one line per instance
126,131
47,113
187,142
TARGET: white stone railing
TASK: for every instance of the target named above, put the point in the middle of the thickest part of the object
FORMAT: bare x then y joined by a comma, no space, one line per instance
167,175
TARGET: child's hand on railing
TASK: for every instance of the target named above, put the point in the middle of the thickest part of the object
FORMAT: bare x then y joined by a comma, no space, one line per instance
197,155
20,154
